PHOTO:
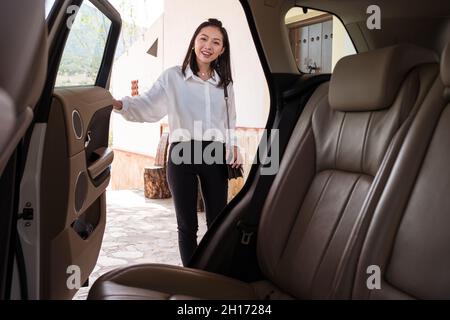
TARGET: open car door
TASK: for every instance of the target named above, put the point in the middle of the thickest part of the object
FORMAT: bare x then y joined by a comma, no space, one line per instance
62,192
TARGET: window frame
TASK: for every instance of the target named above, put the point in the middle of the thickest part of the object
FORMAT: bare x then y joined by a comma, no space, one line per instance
57,44
324,17
97,71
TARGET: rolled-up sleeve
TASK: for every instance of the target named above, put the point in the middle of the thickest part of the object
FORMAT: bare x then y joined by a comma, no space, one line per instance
151,106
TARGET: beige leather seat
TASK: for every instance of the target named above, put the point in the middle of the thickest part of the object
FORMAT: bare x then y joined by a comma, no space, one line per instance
409,237
334,169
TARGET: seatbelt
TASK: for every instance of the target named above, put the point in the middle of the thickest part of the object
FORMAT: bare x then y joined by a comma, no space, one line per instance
245,251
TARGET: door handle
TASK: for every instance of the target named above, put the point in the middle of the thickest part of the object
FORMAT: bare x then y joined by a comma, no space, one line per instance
88,139
106,157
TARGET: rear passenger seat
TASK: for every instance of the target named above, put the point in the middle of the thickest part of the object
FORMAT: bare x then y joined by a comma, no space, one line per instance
409,237
332,174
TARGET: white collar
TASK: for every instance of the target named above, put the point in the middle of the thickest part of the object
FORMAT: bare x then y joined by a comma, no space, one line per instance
215,79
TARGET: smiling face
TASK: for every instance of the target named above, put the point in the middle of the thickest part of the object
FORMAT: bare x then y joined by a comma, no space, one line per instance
208,45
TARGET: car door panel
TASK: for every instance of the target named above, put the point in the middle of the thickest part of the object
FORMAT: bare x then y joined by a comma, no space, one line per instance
87,101
75,175
67,168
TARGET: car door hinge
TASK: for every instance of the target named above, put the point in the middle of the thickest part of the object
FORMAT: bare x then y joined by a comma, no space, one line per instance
26,215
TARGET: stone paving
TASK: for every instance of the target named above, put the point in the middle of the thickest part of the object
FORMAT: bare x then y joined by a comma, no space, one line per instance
138,230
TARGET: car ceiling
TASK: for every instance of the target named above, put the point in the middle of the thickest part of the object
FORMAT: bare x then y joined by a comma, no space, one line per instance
425,23
355,10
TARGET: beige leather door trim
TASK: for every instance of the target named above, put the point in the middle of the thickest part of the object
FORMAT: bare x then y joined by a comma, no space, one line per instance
86,100
73,200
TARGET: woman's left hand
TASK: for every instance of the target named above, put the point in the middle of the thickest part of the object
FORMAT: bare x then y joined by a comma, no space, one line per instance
237,158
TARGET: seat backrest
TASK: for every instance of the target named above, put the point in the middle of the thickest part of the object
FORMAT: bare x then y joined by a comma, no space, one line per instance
333,164
23,66
7,127
409,236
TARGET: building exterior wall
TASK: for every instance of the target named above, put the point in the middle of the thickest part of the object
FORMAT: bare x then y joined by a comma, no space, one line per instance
128,167
252,94
136,64
127,170
135,144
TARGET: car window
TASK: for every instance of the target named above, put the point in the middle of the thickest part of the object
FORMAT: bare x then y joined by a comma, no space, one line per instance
318,40
82,56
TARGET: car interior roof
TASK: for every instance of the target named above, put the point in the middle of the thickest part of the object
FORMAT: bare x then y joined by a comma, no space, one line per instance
413,21
355,10
402,21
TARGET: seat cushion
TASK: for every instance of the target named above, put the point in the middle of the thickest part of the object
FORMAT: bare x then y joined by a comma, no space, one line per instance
166,282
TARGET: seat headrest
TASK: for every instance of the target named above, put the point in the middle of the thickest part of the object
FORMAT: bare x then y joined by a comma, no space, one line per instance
445,70
23,67
370,81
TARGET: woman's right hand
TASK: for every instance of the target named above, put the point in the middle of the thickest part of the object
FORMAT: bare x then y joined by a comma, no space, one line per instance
117,104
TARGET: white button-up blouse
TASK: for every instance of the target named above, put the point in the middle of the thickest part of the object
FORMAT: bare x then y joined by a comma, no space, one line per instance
196,108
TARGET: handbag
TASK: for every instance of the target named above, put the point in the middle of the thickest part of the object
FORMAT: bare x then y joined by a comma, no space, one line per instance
233,173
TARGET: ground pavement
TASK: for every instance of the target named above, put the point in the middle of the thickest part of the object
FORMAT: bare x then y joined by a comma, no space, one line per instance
138,230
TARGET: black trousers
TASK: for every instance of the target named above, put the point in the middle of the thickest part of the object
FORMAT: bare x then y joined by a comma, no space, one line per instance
183,184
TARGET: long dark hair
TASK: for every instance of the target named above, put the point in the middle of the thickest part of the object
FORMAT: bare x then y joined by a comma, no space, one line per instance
221,64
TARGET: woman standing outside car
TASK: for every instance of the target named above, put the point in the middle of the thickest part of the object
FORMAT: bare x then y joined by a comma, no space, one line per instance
192,95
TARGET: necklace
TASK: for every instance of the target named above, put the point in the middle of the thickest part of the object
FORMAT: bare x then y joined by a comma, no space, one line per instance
204,73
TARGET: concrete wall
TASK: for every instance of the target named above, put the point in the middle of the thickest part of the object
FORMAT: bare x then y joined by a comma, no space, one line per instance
128,167
127,170
182,18
174,31
136,64
137,143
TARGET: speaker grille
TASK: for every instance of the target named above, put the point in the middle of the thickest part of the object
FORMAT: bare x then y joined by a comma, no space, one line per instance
77,124
80,190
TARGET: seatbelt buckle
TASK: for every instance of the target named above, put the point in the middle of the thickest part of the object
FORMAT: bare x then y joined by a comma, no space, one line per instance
246,237
247,232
